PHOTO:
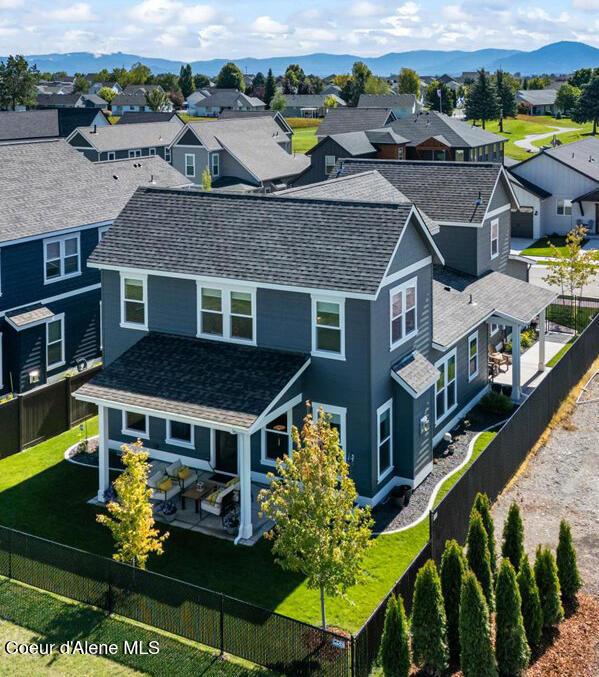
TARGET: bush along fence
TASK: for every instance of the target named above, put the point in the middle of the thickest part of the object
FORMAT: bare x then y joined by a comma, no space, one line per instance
42,413
226,624
489,474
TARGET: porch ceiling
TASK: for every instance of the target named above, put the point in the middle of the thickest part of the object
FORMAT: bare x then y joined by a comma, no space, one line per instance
207,381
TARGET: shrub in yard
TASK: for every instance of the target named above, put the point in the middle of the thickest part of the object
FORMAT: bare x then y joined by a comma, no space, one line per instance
483,505
478,555
513,537
395,656
549,589
453,568
511,646
429,631
530,603
567,570
476,652
497,403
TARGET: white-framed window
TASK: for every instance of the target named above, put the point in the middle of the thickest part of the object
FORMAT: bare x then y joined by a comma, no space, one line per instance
111,155
167,154
190,164
494,238
338,419
215,159
472,356
328,327
134,301
459,155
384,439
62,257
152,152
494,328
276,438
403,312
102,232
446,399
227,314
55,342
134,152
180,434
564,207
329,164
135,424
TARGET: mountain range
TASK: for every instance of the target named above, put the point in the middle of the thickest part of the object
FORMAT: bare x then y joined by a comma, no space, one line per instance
558,57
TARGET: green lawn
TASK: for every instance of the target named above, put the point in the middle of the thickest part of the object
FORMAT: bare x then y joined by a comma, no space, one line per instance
558,356
541,247
304,138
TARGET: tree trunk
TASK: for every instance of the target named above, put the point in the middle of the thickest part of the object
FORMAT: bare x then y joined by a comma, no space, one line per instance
483,121
322,609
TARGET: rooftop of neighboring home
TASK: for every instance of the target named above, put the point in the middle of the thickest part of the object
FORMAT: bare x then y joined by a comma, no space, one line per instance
123,137
57,99
446,191
341,120
450,131
583,156
204,235
310,100
357,144
138,99
44,123
65,190
254,142
275,115
223,98
387,101
133,117
136,89
538,97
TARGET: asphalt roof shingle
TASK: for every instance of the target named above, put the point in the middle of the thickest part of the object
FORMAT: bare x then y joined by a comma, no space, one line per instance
32,124
123,137
583,156
538,97
342,120
416,372
137,117
386,101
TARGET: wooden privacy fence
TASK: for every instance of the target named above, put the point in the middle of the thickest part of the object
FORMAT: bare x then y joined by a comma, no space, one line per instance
43,413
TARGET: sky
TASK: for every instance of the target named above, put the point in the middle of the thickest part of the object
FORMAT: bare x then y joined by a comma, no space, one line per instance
187,30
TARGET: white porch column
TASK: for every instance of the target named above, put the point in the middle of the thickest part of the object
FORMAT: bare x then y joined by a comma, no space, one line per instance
245,488
542,340
103,476
516,391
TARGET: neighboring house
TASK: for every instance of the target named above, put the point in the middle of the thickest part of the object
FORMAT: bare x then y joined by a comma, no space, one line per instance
538,101
309,105
210,103
125,141
56,206
137,118
132,90
331,89
560,188
134,103
244,154
70,101
275,115
400,104
95,87
228,333
450,82
47,123
54,87
342,120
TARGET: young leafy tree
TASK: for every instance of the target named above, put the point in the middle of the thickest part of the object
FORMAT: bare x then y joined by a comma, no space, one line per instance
157,100
131,520
139,74
319,531
567,97
269,88
408,82
478,555
580,77
511,646
278,102
258,85
453,569
206,180
549,589
476,650
587,107
294,76
186,80
429,624
512,547
376,85
200,81
438,97
168,81
17,82
530,604
107,94
230,77
395,656
567,569
483,505
80,85
481,100
506,97
356,85
176,98
330,101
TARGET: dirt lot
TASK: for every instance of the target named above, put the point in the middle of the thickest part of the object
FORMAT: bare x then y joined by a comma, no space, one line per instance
562,481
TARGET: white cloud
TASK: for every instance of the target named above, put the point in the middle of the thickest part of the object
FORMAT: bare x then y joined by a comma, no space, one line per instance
76,13
589,5
363,8
11,4
153,11
198,14
268,26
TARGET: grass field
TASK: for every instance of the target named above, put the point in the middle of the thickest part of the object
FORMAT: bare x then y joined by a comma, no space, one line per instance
562,351
304,138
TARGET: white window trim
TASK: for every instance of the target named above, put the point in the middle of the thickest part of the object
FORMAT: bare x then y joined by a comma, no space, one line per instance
471,338
494,222
151,152
392,292
332,409
193,157
225,312
133,325
388,406
101,231
134,152
134,433
284,409
167,154
111,155
213,164
326,353
61,239
442,364
175,441
61,362
327,164
565,203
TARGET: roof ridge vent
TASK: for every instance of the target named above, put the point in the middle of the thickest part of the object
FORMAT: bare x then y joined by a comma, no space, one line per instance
471,301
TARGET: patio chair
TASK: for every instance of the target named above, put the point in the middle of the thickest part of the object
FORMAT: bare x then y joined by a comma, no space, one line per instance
220,498
162,486
180,474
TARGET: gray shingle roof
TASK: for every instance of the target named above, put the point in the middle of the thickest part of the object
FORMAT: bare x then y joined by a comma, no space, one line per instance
342,120
353,143
583,156
275,115
133,117
292,242
386,101
123,137
65,189
538,97
416,372
229,97
129,100
207,380
446,191
57,99
32,124
424,125
385,135
310,100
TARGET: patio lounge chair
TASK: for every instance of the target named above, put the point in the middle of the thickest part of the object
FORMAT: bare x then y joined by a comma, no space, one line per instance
220,498
162,486
181,475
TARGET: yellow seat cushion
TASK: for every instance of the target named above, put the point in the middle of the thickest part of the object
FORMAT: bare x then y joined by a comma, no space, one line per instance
232,481
213,496
184,473
166,485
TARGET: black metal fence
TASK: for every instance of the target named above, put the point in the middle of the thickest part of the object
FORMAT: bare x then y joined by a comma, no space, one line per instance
210,618
43,413
572,314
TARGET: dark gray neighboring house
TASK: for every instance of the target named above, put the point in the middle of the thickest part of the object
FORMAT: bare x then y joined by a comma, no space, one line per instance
131,118
538,101
48,123
309,105
342,120
212,102
401,104
274,114
77,100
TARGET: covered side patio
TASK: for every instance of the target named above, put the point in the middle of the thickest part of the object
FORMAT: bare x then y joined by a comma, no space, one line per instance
195,405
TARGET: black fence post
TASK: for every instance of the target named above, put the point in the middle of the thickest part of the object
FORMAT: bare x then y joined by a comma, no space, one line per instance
10,554
352,656
109,602
222,624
